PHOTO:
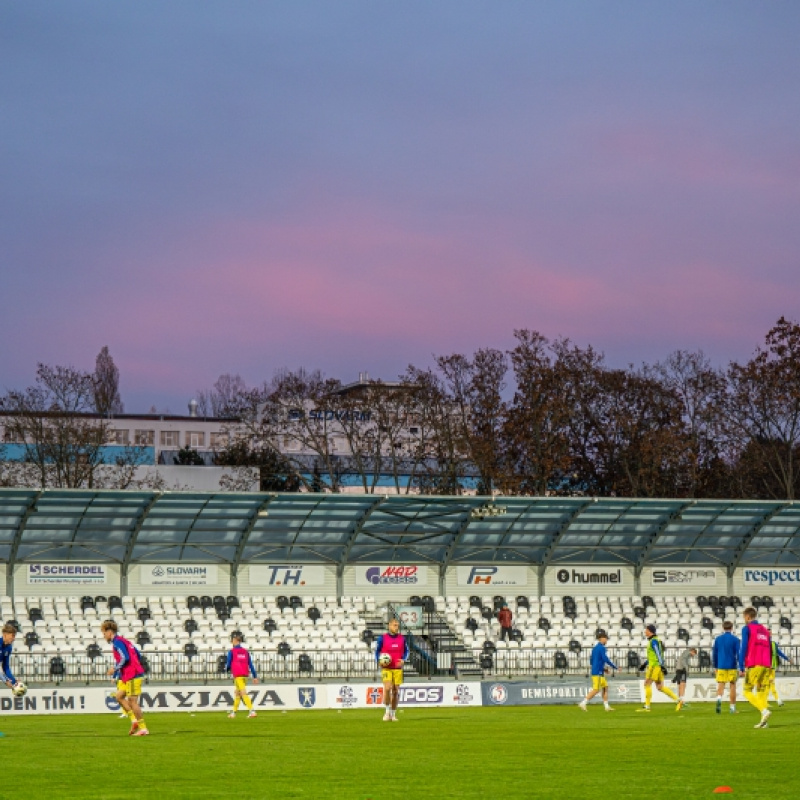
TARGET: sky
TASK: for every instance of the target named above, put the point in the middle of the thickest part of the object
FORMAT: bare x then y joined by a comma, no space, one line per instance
244,187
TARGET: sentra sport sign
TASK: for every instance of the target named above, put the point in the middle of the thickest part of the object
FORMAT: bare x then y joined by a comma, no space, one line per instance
67,574
178,574
697,576
394,575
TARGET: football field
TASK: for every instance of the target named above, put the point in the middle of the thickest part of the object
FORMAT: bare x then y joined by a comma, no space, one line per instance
547,752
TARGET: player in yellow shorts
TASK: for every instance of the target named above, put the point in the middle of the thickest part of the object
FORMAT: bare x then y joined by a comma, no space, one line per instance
601,663
755,664
240,665
654,670
391,652
724,662
777,656
128,673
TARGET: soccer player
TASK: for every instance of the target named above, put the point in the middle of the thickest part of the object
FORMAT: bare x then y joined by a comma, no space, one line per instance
393,644
128,674
240,665
777,656
9,634
724,660
755,663
682,671
654,673
600,665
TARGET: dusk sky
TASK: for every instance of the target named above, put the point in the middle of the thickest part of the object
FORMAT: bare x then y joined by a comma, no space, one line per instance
245,186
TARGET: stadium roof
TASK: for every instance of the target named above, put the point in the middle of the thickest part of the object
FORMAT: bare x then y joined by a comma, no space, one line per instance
125,527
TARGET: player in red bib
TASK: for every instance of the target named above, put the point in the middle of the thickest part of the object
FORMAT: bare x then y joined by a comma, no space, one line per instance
128,674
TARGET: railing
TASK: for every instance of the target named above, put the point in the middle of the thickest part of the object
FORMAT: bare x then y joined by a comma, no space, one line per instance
53,667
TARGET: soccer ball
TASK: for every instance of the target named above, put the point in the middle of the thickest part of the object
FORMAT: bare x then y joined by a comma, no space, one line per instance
385,660
20,689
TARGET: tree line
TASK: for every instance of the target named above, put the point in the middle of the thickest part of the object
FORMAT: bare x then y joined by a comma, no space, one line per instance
546,417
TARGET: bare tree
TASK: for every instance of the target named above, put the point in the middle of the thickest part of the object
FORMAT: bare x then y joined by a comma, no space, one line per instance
223,399
107,400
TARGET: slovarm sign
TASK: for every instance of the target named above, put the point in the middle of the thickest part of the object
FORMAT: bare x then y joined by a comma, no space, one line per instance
178,574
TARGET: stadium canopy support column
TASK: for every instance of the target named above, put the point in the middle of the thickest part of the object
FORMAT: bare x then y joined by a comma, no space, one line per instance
261,511
12,556
126,560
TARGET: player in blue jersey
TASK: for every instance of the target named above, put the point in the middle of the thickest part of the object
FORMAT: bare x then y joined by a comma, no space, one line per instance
724,663
600,666
9,634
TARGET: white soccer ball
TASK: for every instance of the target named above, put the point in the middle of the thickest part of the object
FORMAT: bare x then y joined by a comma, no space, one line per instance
385,660
20,689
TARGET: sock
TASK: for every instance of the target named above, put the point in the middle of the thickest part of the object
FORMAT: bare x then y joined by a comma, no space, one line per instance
774,690
236,701
648,694
388,709
669,693
142,724
605,703
248,701
763,699
131,716
733,706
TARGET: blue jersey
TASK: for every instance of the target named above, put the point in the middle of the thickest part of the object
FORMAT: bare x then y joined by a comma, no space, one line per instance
725,652
600,660
5,667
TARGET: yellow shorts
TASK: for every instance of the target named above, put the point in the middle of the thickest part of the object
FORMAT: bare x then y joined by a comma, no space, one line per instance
132,688
655,674
240,684
727,676
771,677
599,682
756,676
394,676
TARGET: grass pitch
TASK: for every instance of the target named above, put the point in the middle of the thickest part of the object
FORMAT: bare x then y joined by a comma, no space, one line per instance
544,752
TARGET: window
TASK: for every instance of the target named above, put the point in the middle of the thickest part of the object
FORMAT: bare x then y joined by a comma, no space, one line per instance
219,441
195,439
169,439
116,436
145,438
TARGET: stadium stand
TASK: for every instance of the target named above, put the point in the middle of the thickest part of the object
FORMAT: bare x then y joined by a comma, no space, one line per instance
452,545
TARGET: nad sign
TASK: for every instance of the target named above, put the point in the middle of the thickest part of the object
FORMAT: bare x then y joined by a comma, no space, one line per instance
288,575
67,574
407,575
491,575
178,574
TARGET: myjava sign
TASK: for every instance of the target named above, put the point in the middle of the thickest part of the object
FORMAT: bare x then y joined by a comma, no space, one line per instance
491,575
393,575
585,576
288,575
177,574
772,577
156,697
67,574
674,577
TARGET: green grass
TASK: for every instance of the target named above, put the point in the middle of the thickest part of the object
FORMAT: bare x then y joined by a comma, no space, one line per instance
547,752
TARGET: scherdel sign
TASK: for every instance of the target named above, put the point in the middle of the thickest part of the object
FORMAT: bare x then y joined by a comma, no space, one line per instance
580,576
491,575
661,578
394,575
771,577
67,574
289,575
178,574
